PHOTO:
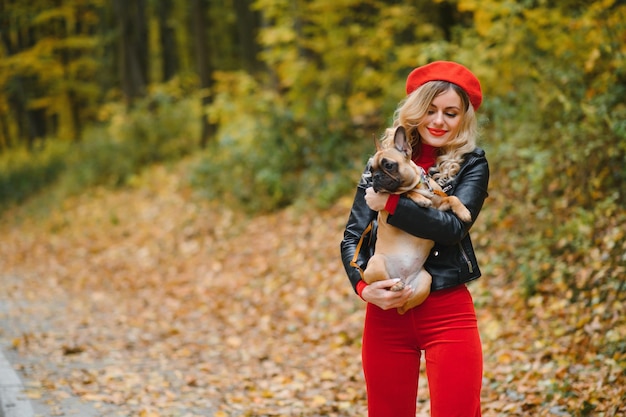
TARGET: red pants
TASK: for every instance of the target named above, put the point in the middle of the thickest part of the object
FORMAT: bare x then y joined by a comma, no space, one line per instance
445,327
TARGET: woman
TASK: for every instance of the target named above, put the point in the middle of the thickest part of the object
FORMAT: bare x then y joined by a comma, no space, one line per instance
438,115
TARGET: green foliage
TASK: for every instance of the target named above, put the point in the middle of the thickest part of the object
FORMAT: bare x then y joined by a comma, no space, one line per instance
266,157
161,127
24,172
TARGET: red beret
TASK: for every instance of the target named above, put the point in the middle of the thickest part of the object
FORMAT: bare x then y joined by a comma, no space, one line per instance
446,71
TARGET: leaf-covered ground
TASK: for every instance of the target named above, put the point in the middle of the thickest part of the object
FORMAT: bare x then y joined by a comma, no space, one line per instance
148,302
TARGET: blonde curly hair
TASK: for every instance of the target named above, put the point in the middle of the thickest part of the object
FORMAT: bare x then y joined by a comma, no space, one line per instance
412,111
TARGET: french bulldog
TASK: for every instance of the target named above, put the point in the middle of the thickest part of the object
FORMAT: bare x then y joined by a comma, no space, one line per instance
399,254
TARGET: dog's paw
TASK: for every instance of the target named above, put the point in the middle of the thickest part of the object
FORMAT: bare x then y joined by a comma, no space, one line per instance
465,215
398,287
422,200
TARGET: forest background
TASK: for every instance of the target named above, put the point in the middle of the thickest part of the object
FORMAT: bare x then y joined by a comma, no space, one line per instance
270,105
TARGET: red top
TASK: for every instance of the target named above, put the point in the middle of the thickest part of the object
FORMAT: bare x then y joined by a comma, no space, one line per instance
425,159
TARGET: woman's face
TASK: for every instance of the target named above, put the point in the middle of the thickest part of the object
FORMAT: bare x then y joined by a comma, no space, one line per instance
442,120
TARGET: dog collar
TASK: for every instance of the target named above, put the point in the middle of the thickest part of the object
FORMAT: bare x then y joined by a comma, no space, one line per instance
424,179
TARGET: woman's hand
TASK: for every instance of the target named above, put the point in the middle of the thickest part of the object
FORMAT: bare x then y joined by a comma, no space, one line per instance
378,293
375,201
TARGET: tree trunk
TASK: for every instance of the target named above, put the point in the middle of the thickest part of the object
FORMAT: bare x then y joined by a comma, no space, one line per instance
133,47
167,40
247,28
29,125
204,66
70,114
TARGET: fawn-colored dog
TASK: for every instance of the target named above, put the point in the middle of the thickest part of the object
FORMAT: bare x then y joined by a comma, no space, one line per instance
399,254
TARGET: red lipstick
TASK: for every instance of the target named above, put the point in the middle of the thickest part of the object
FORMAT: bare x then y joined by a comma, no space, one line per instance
437,132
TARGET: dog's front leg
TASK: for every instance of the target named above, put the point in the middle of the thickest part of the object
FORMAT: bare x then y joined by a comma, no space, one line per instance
458,208
421,197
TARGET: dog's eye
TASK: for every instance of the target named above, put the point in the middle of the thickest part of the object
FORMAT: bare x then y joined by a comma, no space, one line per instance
388,165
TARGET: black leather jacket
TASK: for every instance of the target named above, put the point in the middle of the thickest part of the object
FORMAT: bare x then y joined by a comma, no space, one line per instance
452,260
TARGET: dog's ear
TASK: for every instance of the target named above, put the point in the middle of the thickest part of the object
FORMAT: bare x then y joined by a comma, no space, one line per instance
377,143
399,139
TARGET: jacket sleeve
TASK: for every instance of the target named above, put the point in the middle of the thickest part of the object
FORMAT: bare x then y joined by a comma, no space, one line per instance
445,227
358,236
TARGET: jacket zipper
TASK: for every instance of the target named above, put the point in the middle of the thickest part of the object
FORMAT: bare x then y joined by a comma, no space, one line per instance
466,259
463,254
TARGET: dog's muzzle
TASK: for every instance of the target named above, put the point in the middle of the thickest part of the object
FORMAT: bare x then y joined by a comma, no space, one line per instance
383,181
